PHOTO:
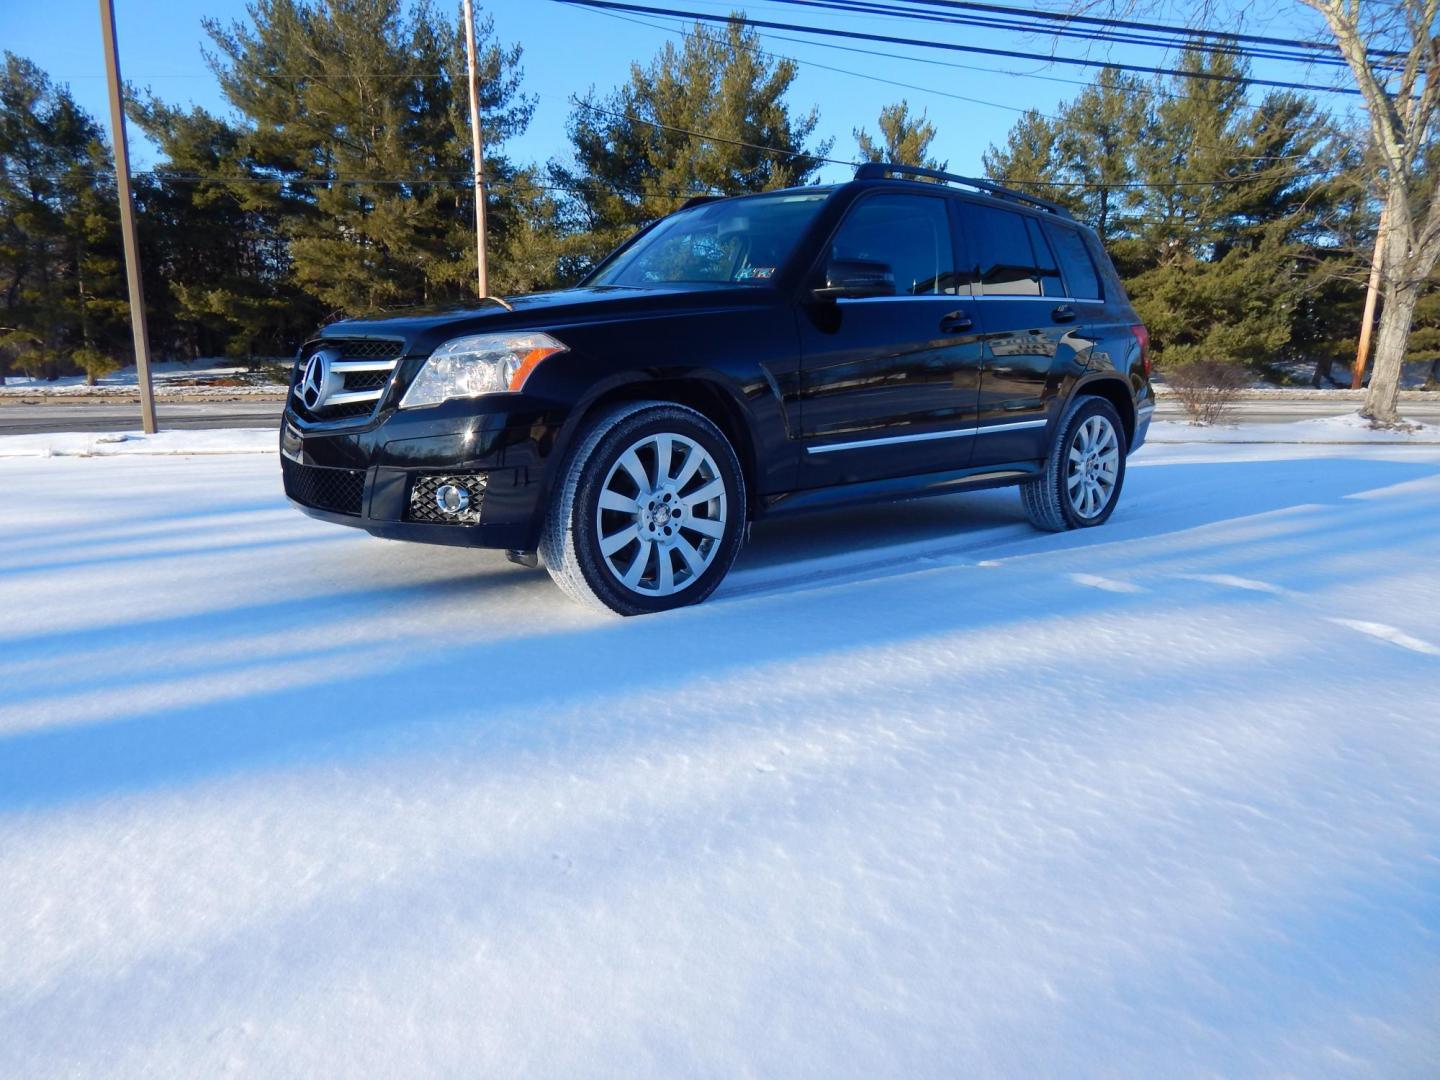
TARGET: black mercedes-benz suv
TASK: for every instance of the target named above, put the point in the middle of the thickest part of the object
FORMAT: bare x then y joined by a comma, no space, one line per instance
906,333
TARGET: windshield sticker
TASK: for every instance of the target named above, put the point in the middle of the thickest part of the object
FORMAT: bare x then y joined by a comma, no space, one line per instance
755,273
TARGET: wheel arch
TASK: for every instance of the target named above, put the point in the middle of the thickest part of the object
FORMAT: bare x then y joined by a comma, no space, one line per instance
708,397
1114,390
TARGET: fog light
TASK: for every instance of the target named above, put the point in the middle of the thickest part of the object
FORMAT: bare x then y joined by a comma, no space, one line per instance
450,499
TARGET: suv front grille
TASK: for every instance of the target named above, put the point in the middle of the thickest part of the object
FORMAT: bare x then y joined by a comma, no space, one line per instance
341,491
355,380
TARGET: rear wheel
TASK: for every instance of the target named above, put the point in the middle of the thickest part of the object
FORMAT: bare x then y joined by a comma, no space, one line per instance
650,511
1084,471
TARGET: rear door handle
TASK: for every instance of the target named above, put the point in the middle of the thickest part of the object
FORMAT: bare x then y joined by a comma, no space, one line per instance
1063,313
956,320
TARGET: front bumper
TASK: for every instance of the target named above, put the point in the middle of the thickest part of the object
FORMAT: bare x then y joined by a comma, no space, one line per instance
363,476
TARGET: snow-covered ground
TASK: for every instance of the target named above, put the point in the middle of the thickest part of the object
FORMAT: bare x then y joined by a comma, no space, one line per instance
921,793
168,377
1343,430
126,443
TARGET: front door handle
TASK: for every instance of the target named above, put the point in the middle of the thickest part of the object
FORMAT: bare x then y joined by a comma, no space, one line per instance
956,320
1063,313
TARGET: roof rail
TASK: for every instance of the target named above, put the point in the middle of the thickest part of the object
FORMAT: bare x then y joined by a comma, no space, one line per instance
879,170
699,200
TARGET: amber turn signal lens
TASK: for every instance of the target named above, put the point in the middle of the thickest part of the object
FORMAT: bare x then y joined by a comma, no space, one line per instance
529,363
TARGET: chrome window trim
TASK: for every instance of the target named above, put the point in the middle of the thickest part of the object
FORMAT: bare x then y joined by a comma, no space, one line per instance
927,436
966,296
934,297
1026,296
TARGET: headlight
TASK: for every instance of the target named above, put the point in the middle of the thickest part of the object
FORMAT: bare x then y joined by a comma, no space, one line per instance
480,364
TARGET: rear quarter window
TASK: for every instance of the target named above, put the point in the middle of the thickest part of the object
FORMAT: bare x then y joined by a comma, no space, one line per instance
1081,277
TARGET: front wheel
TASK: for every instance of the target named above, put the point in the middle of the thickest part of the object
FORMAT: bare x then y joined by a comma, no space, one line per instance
649,512
1084,471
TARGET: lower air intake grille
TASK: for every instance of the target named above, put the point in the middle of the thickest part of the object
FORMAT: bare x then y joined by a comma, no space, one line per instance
426,506
340,491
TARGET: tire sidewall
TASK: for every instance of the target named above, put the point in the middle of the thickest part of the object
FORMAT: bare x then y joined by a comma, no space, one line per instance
661,418
1083,410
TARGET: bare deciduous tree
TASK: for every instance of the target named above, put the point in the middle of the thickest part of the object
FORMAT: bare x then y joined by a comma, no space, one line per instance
1394,55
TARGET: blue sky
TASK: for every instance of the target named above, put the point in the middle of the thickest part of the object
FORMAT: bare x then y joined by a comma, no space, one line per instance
567,50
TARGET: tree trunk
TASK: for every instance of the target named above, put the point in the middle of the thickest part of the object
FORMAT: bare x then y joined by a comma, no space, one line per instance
1395,318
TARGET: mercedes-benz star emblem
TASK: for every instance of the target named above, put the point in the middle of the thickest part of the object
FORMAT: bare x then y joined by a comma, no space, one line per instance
314,378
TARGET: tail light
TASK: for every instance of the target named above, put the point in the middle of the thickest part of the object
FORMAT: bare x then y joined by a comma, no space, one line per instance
1142,338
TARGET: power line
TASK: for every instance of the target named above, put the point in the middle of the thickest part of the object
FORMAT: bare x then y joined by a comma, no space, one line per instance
1135,185
458,180
1148,89
1188,39
951,46
1130,24
839,70
929,60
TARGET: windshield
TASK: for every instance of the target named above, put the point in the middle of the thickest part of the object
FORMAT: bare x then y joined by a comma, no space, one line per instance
740,241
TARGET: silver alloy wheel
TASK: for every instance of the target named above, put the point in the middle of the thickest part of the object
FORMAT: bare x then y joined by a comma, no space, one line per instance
1093,467
662,501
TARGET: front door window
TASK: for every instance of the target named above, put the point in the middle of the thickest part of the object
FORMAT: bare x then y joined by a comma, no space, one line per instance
910,234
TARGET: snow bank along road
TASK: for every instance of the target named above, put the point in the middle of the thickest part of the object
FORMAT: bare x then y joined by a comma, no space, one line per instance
923,793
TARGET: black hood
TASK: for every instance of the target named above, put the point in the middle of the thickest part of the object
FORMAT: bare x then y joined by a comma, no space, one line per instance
423,328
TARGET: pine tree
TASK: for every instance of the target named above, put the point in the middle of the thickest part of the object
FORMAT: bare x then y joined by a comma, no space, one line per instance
709,116
62,302
219,274
1032,161
906,138
358,105
1214,212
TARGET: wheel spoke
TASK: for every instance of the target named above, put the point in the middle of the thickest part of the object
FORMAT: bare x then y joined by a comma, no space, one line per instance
666,580
709,491
631,464
609,545
1075,479
637,568
1076,457
692,557
662,459
704,526
693,459
613,500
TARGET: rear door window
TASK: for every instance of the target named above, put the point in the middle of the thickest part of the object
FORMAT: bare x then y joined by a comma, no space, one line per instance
1050,283
1001,246
1075,262
909,233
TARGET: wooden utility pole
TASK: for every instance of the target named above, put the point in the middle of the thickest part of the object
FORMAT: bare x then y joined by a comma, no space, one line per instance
1372,290
127,218
482,279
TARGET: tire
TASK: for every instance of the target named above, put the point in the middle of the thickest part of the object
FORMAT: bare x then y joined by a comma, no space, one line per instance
686,526
1083,493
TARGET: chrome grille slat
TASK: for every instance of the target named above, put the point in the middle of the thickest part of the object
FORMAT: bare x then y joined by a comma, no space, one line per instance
360,377
358,395
347,366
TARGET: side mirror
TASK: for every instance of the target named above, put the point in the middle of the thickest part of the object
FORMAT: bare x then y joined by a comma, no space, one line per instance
855,279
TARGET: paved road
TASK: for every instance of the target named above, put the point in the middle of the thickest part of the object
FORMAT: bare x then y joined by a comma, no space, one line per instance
122,416
31,419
